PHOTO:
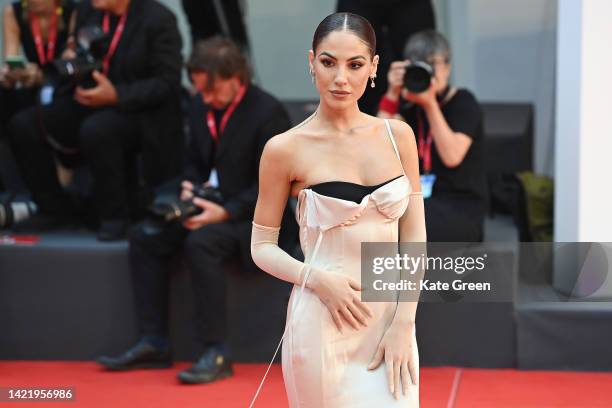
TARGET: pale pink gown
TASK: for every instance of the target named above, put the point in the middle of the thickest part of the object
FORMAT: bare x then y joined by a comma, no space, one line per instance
322,367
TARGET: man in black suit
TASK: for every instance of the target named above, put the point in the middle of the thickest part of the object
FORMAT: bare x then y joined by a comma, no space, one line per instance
132,105
230,122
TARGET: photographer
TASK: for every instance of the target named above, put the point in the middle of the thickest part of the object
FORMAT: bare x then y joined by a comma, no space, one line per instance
230,121
129,104
448,125
34,32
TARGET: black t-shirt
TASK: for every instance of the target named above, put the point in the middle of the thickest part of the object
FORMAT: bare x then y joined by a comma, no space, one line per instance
465,182
27,39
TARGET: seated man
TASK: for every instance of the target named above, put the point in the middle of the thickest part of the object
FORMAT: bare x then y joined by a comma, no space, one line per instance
231,120
448,125
25,56
130,105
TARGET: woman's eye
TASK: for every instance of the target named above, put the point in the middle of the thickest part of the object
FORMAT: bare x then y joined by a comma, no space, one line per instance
356,66
327,63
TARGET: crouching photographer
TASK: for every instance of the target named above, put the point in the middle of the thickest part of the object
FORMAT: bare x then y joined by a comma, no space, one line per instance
117,111
447,123
230,121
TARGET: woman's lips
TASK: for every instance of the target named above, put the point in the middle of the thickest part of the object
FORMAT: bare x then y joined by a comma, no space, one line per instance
340,94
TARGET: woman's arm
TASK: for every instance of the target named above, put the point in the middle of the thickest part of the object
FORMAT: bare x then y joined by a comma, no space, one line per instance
412,228
339,293
274,188
11,46
395,348
10,30
451,146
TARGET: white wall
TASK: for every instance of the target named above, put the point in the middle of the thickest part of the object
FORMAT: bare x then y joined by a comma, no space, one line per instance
583,197
281,34
505,51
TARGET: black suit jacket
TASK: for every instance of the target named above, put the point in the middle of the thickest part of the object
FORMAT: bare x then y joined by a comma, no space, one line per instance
146,71
257,118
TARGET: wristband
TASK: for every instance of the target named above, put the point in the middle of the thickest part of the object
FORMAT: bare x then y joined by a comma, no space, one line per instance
388,105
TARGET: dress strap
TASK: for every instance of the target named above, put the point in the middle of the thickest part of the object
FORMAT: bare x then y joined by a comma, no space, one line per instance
390,133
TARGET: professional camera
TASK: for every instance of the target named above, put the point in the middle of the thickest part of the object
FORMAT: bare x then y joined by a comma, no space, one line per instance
92,45
165,212
418,76
13,212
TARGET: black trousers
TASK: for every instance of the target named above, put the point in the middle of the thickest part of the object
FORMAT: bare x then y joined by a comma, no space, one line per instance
206,251
11,102
452,220
105,138
394,22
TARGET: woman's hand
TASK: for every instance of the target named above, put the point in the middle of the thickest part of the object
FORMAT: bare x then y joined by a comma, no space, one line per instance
395,79
426,99
341,296
6,79
31,75
396,348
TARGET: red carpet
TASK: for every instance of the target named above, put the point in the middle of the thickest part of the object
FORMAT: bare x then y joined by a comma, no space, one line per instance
440,387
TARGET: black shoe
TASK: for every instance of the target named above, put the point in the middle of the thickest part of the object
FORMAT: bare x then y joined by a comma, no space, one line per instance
142,355
112,230
212,366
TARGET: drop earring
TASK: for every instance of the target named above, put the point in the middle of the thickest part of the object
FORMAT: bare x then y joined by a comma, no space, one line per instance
372,84
312,75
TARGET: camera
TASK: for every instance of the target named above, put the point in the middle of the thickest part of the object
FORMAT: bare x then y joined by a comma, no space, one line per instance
417,77
92,45
165,212
13,212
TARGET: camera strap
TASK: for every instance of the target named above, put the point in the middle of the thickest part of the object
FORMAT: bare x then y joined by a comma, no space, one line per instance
51,40
115,40
212,122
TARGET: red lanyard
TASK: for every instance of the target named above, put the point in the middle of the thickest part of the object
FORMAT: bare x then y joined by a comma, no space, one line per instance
424,143
52,37
212,122
115,41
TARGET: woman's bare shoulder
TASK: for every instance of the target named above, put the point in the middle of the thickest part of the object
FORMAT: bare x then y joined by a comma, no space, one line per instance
404,138
400,128
284,145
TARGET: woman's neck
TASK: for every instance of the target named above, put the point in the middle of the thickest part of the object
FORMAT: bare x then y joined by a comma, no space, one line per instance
341,120
45,12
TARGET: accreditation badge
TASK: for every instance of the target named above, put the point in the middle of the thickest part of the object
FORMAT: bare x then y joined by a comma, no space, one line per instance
427,183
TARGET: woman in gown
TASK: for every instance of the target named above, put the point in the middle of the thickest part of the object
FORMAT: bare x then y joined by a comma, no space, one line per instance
357,180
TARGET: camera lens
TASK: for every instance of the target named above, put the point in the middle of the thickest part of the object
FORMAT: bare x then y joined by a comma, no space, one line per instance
418,77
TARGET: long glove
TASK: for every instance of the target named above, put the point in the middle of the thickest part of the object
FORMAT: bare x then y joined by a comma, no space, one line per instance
271,258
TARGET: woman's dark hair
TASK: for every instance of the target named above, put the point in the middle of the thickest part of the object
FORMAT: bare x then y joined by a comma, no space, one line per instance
346,22
221,57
